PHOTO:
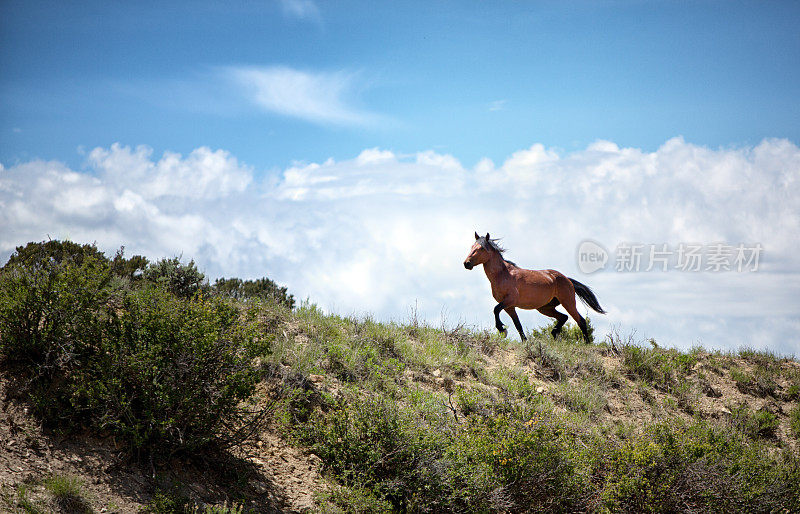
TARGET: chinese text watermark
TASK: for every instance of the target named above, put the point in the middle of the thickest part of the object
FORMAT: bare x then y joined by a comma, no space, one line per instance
691,257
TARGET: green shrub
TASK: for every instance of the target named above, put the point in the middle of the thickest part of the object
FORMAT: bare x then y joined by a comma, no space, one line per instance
761,358
46,305
233,508
173,501
159,371
515,461
36,254
262,288
662,368
570,332
794,421
172,371
49,321
67,493
587,396
473,401
760,382
168,502
365,444
550,361
678,467
756,424
766,422
352,500
182,280
686,394
132,268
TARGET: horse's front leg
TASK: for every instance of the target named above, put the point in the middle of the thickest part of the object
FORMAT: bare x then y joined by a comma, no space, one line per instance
500,327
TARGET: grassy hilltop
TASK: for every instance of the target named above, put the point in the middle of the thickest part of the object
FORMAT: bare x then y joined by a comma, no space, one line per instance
128,386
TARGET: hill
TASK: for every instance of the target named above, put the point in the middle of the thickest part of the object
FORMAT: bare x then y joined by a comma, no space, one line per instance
346,414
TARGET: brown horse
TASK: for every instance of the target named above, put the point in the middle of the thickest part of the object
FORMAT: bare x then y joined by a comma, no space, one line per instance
542,290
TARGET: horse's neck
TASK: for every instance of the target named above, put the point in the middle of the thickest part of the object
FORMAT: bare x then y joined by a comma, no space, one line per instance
495,268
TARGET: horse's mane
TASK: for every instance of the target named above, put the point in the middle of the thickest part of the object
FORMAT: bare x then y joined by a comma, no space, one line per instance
493,246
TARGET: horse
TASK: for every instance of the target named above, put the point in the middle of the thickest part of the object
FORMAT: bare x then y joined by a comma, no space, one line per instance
542,290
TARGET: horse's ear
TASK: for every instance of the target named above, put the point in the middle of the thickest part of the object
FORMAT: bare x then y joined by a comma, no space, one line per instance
487,236
477,236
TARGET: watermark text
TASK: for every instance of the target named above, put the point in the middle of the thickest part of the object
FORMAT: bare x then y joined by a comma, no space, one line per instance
661,257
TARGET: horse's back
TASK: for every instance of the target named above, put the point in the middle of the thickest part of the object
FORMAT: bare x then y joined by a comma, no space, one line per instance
538,277
536,287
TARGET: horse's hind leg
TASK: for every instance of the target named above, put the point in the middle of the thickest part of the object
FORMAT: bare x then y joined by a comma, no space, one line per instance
572,309
550,310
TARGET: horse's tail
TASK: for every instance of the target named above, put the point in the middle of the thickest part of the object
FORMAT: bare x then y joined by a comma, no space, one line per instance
586,294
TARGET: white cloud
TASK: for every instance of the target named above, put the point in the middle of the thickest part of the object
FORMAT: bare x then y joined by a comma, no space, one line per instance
327,98
202,174
302,9
383,232
318,97
497,105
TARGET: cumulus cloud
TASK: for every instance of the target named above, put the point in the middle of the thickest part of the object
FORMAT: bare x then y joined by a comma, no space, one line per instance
318,97
383,232
203,174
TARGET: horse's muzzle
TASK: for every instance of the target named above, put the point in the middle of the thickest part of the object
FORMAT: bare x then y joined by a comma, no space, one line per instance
468,265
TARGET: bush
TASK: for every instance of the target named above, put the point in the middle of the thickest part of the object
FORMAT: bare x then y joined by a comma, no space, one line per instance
587,396
678,467
164,373
512,459
792,392
794,421
516,461
364,443
131,269
352,500
168,501
766,422
172,371
49,317
665,369
550,361
182,280
570,332
262,288
67,493
45,304
760,382
34,254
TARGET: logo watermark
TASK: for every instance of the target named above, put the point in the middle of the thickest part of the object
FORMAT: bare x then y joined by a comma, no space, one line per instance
691,257
591,256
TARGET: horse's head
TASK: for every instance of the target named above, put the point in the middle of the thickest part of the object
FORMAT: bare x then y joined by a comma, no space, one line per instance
479,253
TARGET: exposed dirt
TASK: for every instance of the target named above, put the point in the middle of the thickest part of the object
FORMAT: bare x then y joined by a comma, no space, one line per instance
271,476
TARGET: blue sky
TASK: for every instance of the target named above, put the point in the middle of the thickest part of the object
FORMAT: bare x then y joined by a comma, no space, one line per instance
349,150
473,79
